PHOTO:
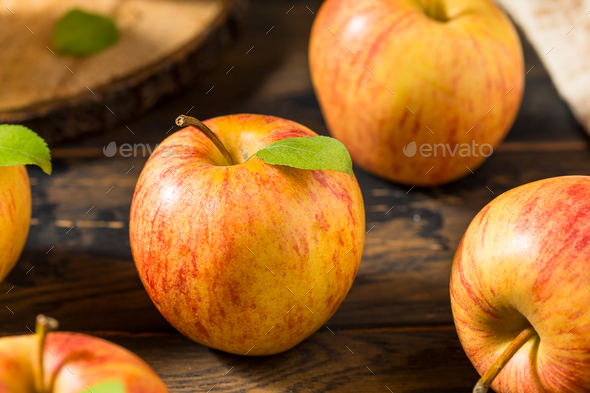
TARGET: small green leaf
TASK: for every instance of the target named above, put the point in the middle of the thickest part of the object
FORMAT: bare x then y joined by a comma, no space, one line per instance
21,146
106,387
318,152
79,33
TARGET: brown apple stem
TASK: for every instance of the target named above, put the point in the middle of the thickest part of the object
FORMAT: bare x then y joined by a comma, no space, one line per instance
492,372
435,9
43,326
184,121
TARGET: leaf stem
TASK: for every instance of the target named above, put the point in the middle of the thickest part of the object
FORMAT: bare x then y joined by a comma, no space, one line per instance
184,121
492,372
43,326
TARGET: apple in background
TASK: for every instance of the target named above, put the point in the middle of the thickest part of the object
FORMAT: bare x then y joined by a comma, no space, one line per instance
395,74
249,258
520,289
15,215
71,363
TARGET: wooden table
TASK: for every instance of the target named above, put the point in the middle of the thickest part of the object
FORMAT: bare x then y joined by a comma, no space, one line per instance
393,332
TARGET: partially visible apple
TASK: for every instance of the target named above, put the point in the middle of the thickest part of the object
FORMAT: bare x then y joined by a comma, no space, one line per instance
435,76
520,291
18,146
249,258
15,215
71,363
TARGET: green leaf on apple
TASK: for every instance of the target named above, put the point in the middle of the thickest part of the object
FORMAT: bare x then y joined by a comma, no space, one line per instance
80,33
21,146
317,152
106,387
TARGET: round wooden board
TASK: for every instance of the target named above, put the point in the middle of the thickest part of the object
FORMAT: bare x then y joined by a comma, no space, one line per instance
163,46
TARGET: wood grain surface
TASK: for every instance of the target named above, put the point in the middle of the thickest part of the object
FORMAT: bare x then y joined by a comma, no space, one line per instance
77,264
162,46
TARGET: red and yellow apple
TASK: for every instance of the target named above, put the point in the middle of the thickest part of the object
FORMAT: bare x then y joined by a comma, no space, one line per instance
70,363
520,289
15,215
249,258
436,76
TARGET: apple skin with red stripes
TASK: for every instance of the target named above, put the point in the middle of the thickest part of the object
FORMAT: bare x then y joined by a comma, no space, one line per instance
390,74
71,362
15,215
249,258
524,261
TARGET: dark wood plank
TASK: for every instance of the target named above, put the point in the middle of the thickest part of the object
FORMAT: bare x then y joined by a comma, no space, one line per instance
428,361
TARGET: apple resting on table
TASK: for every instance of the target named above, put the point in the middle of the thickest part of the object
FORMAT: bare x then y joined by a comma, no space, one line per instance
18,146
71,363
520,289
245,231
436,77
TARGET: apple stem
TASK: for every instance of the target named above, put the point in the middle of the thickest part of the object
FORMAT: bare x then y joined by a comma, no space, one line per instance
492,372
43,326
184,121
435,9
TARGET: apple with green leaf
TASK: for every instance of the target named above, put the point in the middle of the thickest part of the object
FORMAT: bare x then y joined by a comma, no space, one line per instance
438,77
520,291
47,362
247,231
19,146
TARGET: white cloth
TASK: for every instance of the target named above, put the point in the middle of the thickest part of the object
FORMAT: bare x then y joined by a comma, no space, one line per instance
559,30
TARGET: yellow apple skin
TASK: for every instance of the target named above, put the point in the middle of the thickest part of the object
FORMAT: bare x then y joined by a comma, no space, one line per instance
415,79
89,361
250,258
15,215
523,261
